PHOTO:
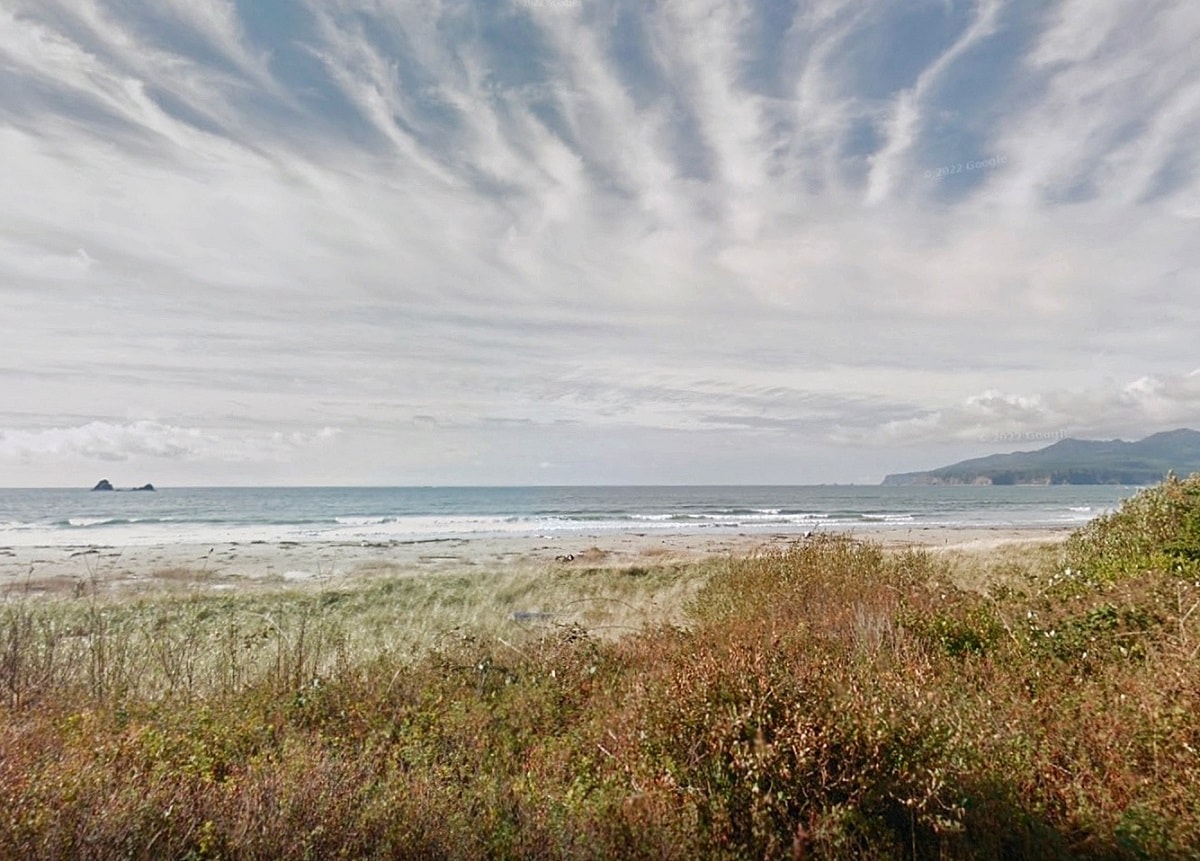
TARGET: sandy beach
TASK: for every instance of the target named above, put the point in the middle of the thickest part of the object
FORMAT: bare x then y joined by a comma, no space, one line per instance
234,565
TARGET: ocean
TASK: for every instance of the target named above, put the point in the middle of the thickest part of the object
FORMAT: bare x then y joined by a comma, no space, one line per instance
65,517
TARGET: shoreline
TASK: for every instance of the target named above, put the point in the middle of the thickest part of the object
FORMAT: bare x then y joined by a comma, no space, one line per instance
232,565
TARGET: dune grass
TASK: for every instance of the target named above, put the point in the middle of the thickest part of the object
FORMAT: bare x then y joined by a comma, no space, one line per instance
829,700
174,642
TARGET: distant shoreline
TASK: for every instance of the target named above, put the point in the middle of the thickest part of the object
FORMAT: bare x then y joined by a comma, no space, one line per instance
1071,462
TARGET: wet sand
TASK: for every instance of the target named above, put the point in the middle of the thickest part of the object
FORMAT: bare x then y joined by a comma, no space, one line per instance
241,565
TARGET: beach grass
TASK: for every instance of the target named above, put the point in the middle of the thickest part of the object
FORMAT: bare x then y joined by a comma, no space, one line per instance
174,639
830,699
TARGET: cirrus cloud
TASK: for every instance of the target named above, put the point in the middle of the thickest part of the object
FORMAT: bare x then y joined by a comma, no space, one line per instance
696,227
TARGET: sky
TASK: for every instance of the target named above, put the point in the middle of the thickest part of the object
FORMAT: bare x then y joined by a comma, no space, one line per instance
409,242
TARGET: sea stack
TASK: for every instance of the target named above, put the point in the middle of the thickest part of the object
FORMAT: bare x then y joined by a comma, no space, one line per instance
105,484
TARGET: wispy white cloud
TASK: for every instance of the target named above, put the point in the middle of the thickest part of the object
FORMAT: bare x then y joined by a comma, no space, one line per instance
907,111
108,441
218,23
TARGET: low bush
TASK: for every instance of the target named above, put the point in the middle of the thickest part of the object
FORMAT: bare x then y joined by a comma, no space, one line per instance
1158,529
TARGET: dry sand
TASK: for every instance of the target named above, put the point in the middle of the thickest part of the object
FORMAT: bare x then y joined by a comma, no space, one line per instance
241,565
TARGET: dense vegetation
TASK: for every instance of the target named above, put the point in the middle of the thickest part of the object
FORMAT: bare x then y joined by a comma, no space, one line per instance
1157,530
828,701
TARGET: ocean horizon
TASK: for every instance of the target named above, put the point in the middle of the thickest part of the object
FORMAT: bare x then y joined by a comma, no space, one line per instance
82,517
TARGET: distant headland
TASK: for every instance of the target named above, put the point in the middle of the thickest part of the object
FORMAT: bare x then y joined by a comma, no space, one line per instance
105,484
1074,461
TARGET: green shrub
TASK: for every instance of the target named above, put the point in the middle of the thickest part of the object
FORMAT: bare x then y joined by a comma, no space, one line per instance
1158,529
969,628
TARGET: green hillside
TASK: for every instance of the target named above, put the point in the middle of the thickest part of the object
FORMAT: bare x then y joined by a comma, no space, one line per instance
1074,461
